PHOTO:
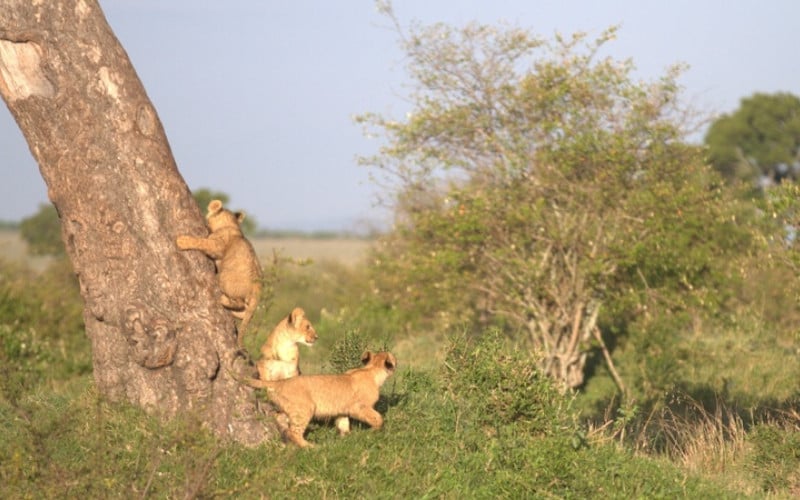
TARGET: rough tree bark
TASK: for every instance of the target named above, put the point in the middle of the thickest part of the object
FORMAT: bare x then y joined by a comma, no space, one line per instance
159,337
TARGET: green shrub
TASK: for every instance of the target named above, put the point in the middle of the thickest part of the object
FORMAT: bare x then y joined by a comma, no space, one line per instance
346,352
76,445
505,386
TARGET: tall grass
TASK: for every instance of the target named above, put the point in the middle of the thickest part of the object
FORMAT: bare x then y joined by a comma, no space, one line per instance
701,440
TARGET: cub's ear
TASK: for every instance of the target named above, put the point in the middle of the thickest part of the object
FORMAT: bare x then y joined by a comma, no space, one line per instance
239,216
389,364
366,357
214,207
296,316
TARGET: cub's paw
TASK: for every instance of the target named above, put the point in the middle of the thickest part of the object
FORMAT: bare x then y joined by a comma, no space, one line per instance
184,242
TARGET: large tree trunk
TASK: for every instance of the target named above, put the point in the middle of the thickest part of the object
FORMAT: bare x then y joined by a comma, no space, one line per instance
159,337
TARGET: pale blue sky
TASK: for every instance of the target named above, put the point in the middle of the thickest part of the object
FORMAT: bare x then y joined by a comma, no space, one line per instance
257,97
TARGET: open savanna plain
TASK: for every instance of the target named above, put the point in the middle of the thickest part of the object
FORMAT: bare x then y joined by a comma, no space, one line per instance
465,416
345,251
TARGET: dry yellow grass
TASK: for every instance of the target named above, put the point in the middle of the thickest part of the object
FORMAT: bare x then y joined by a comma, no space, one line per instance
346,251
12,247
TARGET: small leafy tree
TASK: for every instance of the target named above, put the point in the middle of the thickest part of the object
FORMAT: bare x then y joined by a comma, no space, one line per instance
761,139
536,184
781,206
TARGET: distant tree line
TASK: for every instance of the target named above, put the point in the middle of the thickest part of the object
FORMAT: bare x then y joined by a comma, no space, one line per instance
759,142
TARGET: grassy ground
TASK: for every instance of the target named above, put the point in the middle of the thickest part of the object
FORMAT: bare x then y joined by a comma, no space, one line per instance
470,423
435,444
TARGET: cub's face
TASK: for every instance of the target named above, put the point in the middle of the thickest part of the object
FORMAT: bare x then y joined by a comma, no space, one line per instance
304,332
306,329
218,217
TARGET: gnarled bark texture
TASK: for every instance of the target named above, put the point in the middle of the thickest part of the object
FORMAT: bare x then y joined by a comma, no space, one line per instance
159,337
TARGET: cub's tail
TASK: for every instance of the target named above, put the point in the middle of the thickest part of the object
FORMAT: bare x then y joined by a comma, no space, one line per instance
253,382
251,304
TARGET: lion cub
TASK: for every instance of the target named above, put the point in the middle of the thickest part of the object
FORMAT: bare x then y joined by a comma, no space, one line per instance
280,354
351,394
237,265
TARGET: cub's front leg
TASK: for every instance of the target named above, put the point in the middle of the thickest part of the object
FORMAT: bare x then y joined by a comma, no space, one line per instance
369,416
214,248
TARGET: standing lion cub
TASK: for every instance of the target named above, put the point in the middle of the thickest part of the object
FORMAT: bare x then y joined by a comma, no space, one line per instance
237,265
351,394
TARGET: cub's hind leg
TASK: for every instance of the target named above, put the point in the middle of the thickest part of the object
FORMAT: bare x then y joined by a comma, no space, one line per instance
343,425
298,423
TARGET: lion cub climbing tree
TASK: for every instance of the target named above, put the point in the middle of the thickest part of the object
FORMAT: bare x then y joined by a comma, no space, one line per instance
237,265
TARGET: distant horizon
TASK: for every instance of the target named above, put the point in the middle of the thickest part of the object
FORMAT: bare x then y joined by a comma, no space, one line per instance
357,228
260,231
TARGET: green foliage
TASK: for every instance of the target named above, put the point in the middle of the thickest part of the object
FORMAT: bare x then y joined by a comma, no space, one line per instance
746,360
760,138
24,361
41,328
505,386
541,188
776,457
781,206
42,232
346,352
60,307
77,445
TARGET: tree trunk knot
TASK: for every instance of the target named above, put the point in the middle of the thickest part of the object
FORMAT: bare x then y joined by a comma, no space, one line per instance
152,341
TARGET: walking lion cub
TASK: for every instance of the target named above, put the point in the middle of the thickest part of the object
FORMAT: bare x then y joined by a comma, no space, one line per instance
238,268
279,354
351,394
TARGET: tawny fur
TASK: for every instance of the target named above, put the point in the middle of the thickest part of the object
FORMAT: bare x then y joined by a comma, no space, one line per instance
279,354
238,269
352,394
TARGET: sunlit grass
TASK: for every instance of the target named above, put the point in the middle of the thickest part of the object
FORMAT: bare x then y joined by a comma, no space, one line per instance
75,444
